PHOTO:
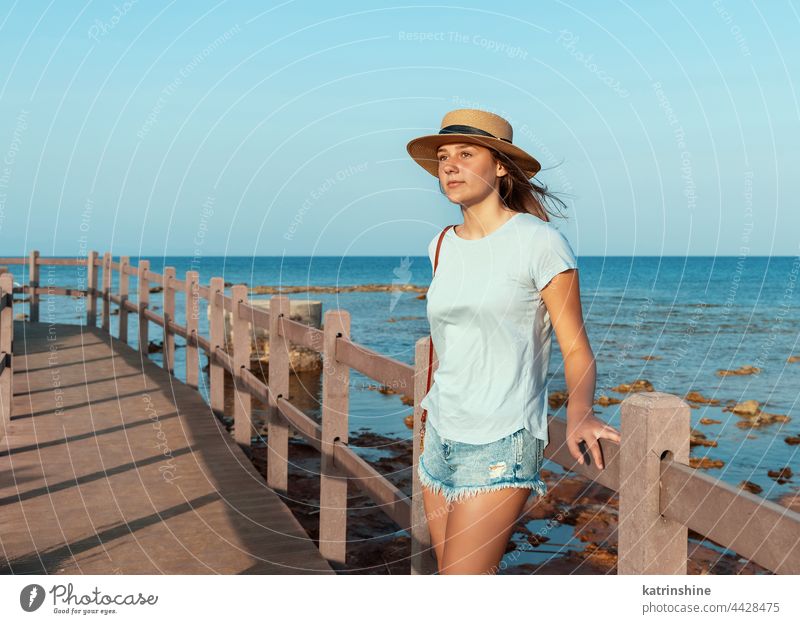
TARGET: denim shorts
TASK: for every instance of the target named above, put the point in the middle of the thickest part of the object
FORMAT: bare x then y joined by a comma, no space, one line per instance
457,469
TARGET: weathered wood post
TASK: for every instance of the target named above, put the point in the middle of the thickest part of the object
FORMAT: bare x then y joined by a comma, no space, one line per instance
216,373
124,267
91,289
6,346
277,427
33,282
143,302
242,412
652,424
423,558
335,407
169,317
106,294
192,319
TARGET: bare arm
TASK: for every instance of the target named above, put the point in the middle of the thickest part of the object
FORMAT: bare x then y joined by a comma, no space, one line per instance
562,298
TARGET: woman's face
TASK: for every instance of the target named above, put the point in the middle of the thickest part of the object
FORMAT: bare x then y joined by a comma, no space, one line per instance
467,172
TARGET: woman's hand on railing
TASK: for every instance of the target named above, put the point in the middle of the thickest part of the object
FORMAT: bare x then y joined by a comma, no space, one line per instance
583,426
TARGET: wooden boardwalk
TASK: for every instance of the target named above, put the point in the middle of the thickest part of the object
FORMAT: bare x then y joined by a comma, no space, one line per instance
112,466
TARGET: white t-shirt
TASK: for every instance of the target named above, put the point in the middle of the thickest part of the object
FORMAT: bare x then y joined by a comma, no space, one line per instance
491,330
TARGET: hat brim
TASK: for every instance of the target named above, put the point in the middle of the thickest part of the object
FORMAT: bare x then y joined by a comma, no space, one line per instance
423,151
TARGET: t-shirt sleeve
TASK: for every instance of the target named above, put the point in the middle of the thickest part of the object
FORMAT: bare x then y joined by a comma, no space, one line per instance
551,254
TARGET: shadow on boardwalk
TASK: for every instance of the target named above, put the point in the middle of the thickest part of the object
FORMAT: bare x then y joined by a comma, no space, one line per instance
111,466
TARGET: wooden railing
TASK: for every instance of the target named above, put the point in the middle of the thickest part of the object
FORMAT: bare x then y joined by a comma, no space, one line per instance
660,495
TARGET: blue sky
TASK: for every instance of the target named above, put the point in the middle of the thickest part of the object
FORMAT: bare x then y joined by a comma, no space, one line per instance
230,128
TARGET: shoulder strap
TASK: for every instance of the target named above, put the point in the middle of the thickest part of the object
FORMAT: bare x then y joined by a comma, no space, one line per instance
430,342
439,246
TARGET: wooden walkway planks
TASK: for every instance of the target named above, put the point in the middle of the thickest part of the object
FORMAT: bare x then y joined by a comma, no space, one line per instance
133,476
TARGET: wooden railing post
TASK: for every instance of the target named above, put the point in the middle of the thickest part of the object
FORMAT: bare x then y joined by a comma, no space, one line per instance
242,412
33,281
423,558
169,317
216,374
277,427
335,407
106,294
6,346
192,319
143,302
124,266
652,424
91,289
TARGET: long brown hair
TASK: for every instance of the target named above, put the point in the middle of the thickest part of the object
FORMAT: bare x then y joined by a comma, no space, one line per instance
523,195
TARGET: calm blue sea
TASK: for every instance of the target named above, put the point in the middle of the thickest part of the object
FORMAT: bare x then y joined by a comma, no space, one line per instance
697,315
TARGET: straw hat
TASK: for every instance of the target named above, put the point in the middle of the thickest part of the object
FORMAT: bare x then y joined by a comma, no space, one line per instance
469,125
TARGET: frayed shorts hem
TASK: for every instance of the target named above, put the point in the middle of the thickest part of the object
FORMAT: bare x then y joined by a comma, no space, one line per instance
457,493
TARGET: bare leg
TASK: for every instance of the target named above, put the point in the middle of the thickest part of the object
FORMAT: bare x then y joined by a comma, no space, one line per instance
478,529
436,511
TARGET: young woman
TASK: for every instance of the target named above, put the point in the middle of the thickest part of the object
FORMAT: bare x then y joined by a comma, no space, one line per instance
505,280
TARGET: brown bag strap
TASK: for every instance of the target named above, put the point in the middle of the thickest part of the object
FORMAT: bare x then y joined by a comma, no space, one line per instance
438,247
430,342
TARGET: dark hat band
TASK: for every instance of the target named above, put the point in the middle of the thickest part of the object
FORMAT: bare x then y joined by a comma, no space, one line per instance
461,129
